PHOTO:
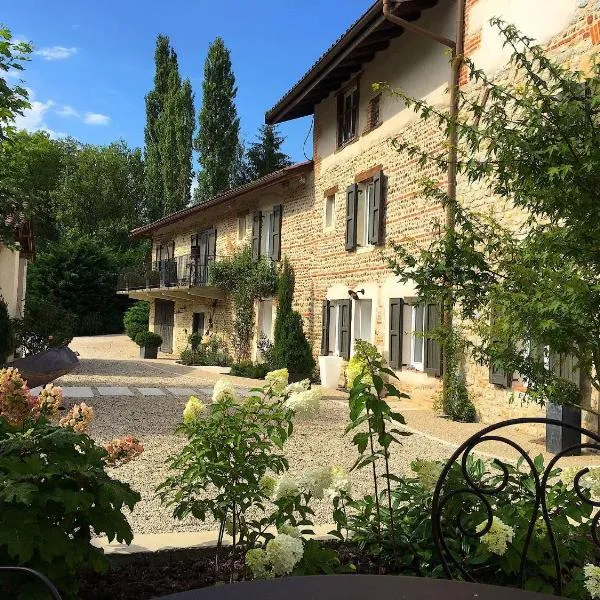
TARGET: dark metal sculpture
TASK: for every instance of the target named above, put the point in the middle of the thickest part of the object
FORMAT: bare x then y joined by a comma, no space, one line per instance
26,571
482,494
42,368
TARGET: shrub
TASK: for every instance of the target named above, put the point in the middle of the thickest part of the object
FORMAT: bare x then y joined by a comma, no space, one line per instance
148,339
365,354
249,369
136,319
55,492
195,339
7,338
211,351
291,349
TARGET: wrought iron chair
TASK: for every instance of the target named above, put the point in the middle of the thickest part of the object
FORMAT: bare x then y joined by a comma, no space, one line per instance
42,578
456,501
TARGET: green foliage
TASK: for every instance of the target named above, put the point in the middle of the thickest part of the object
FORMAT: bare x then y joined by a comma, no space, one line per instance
364,354
533,141
136,318
79,278
217,141
247,280
211,350
265,156
168,135
249,369
291,349
195,339
7,337
148,339
55,494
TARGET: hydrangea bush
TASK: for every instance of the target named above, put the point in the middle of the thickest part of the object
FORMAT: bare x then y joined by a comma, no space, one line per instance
55,491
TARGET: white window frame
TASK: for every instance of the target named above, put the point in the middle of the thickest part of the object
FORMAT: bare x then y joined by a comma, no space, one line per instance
365,189
242,223
357,325
334,327
266,232
418,365
329,201
262,305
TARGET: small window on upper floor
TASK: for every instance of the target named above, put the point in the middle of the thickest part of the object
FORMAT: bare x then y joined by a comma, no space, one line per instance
374,113
244,227
330,212
347,115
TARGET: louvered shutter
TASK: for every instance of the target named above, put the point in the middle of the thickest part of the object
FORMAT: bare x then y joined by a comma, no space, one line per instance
376,205
325,329
499,376
345,327
396,326
211,250
256,231
351,210
340,119
276,232
433,350
565,366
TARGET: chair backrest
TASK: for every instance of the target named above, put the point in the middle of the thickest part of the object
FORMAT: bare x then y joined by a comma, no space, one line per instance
36,575
462,497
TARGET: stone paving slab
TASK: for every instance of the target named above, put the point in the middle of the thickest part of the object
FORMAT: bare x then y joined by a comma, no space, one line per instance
114,391
149,391
207,391
183,391
78,392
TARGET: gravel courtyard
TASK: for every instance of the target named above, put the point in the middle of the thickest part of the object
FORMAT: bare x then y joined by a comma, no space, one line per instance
315,442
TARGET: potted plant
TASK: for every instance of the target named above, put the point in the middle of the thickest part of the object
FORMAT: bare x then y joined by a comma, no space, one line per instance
148,341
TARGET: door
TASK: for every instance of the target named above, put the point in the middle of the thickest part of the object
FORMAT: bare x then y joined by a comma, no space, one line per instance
164,319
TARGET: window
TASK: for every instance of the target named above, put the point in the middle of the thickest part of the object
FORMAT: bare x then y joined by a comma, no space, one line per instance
366,198
363,311
418,328
266,234
374,114
336,328
329,212
347,115
265,319
244,227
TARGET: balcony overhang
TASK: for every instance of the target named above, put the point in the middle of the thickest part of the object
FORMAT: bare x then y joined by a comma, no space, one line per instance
175,293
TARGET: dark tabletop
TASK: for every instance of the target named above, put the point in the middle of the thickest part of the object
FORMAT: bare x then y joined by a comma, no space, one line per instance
356,587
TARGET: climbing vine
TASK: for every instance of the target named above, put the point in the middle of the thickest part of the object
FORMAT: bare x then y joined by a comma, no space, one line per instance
247,280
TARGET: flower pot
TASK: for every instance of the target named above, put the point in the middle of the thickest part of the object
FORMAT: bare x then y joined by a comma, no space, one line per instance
560,438
330,368
148,351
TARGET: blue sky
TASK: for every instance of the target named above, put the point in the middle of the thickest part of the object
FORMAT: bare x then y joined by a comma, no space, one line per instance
94,59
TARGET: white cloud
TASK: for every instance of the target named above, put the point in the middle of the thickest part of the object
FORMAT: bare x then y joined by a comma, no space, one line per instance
92,118
66,111
56,52
13,74
32,118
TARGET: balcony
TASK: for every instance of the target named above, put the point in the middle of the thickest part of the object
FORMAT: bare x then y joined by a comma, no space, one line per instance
181,273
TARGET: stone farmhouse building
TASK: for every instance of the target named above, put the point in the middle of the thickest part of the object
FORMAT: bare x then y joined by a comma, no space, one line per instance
334,216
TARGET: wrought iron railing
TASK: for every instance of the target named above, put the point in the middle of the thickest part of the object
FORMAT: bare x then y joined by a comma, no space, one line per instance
182,271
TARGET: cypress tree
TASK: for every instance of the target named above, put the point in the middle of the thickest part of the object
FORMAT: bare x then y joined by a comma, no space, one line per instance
265,156
218,137
168,135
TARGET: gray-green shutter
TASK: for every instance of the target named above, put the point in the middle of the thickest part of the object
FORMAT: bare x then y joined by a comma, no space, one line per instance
376,210
433,349
396,326
276,232
211,250
345,327
256,234
325,329
351,210
565,366
499,376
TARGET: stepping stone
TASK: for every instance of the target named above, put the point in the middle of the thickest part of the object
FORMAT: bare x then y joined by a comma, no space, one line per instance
151,391
115,391
182,391
36,390
206,391
78,392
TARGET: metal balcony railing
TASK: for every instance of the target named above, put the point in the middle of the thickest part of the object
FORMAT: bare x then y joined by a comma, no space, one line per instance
181,271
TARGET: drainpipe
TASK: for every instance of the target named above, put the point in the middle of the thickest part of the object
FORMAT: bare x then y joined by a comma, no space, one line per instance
457,49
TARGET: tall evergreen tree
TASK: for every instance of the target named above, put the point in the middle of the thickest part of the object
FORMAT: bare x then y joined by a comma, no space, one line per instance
168,135
218,138
265,156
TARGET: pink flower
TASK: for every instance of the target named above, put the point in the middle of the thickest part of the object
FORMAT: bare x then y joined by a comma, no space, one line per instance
16,402
122,450
49,400
78,418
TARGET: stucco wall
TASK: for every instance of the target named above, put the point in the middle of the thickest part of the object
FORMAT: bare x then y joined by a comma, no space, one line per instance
13,271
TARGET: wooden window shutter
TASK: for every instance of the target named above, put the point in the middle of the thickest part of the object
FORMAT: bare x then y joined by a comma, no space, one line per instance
325,329
396,326
212,245
354,116
376,206
345,328
340,119
276,232
351,210
565,366
499,376
256,234
433,349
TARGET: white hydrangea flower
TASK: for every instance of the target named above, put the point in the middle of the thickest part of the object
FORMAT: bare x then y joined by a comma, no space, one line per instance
258,563
306,403
297,386
284,552
316,481
286,486
277,380
428,472
267,485
592,580
224,389
289,530
498,537
589,481
340,482
193,410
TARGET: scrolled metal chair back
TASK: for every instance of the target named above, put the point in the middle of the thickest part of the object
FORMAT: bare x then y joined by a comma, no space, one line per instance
484,494
50,587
